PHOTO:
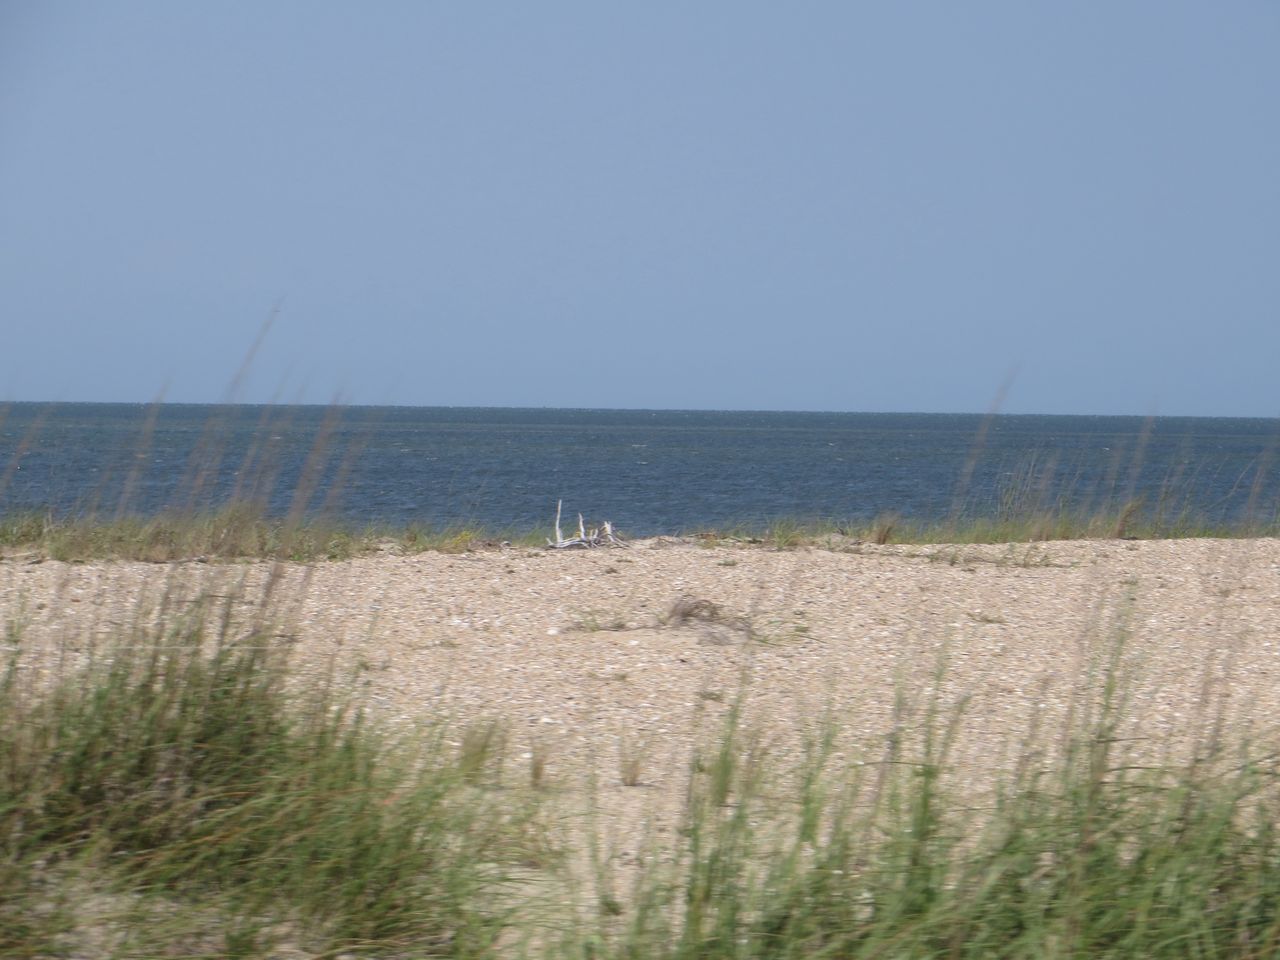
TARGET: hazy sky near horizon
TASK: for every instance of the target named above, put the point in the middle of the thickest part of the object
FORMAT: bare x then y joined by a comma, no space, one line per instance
726,205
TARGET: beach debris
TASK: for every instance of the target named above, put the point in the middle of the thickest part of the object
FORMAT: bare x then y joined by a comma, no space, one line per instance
715,624
601,536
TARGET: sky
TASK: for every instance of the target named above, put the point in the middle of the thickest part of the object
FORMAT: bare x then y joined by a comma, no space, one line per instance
1047,207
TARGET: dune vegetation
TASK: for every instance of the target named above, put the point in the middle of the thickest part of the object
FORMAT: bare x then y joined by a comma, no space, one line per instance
177,794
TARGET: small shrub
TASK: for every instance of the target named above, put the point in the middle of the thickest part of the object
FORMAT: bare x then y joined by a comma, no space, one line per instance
883,527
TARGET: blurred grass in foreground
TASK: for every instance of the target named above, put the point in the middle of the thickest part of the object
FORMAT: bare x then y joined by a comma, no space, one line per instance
180,796
174,798
1090,856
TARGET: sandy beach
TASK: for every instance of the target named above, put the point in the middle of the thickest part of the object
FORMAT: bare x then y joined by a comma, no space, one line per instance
596,659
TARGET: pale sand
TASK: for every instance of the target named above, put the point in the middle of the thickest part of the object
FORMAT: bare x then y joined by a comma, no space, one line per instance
570,648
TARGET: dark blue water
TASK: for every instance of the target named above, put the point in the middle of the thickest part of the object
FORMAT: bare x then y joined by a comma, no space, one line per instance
648,471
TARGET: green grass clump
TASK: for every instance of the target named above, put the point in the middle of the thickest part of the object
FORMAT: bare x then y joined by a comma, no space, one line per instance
176,792
1091,857
236,532
1128,521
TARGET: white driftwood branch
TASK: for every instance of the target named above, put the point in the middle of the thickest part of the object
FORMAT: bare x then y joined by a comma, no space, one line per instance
602,536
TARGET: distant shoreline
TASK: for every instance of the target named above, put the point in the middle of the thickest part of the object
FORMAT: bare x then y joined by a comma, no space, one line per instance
240,533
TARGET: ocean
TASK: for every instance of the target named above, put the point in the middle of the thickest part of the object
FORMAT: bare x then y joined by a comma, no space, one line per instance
649,471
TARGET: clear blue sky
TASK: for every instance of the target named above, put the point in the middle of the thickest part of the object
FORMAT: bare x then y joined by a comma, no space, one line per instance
730,205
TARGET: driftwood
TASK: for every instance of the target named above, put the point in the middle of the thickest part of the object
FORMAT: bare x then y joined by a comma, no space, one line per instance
601,536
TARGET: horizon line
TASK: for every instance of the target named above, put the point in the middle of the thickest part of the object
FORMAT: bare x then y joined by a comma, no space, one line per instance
576,409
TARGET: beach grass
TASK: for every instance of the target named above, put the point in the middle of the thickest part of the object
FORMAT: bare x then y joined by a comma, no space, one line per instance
1039,526
1088,856
236,532
244,532
176,797
181,796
